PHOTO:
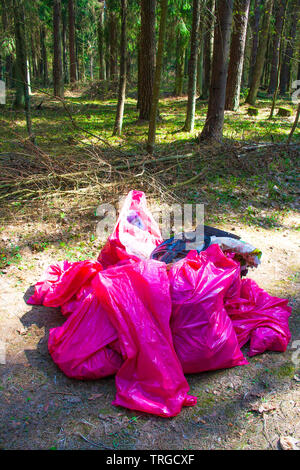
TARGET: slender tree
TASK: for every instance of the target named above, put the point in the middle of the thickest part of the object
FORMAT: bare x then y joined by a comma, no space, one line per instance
22,63
280,34
261,53
207,45
285,76
64,47
255,23
72,41
181,43
123,63
237,51
58,82
213,127
101,54
147,57
276,43
44,58
157,78
192,82
112,36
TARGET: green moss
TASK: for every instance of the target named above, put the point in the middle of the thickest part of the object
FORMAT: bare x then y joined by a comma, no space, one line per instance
286,370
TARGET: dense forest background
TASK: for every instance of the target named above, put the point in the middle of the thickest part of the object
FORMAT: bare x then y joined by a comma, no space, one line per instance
221,51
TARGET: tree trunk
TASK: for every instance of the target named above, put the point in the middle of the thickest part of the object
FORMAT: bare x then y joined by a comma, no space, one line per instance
113,30
261,53
200,65
157,78
64,49
276,43
123,63
207,47
22,95
213,127
285,76
102,69
8,59
192,82
58,82
44,60
237,50
179,71
278,65
255,29
147,57
72,41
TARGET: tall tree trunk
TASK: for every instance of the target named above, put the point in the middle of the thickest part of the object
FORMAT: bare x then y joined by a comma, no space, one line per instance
101,55
147,57
192,83
44,59
200,64
72,41
285,76
112,31
255,29
64,48
22,63
157,77
237,51
33,57
261,53
280,34
8,59
276,43
179,70
208,47
139,66
213,127
58,82
123,63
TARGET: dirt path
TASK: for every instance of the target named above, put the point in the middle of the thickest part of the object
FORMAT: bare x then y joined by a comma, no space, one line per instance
247,407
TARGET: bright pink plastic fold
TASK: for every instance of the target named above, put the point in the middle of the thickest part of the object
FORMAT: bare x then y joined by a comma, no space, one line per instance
203,335
135,235
151,377
259,317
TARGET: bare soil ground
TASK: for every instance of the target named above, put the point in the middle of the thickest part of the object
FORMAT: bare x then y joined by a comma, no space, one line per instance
247,407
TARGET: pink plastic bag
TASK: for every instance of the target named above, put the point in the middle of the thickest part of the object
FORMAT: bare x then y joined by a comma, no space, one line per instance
61,281
118,322
83,347
260,318
203,335
135,235
137,298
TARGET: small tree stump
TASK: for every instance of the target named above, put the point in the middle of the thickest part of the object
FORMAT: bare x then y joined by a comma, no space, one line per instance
284,112
252,111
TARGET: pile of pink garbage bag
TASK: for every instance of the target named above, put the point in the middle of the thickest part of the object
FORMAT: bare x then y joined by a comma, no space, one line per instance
150,323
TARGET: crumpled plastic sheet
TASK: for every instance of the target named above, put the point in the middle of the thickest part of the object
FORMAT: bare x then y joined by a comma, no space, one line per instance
126,315
120,323
259,317
203,334
135,235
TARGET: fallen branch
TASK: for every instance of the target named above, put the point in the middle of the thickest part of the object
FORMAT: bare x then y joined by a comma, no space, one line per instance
190,180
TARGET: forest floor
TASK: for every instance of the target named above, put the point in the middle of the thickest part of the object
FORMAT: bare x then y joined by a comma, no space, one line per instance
252,191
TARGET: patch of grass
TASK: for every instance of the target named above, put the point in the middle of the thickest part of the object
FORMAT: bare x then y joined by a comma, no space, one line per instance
285,370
